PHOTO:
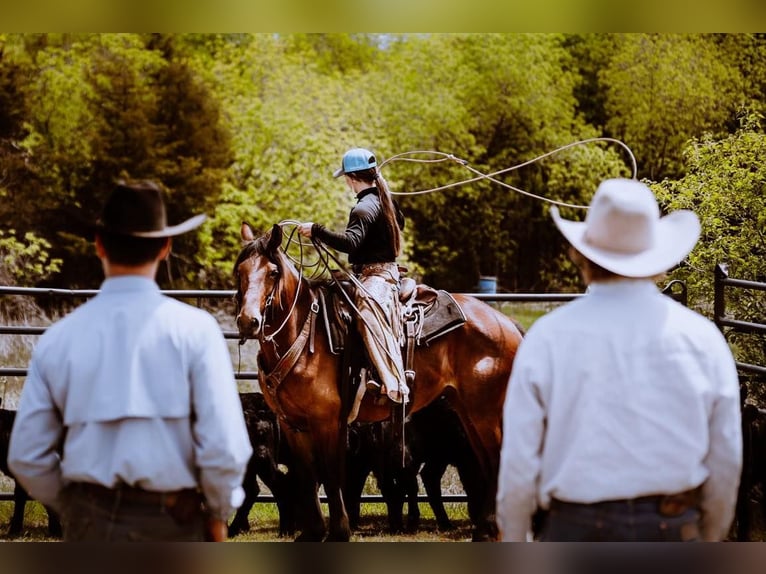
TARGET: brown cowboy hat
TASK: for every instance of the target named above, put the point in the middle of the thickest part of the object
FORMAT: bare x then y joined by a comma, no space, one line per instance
138,210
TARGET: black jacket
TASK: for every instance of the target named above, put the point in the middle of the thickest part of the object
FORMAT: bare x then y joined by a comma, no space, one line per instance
366,238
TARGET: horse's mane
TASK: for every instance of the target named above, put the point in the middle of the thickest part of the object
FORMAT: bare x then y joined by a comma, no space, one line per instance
257,246
260,246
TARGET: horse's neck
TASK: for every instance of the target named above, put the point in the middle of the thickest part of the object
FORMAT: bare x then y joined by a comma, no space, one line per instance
292,312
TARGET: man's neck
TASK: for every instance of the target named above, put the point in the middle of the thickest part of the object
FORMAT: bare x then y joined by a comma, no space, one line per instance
148,270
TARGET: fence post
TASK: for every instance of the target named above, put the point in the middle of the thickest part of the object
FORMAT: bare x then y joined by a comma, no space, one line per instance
719,301
679,294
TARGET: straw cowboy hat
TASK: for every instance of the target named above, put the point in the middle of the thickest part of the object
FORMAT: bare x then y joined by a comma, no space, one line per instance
138,210
624,233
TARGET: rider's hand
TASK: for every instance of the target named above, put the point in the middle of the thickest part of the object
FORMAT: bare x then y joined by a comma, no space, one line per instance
305,229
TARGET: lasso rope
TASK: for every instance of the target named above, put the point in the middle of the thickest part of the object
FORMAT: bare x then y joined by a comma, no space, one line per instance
492,176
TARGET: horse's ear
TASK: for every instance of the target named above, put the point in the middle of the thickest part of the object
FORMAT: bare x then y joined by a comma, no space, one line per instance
246,232
275,239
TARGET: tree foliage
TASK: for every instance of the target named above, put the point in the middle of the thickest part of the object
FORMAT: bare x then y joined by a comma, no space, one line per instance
724,184
663,89
250,126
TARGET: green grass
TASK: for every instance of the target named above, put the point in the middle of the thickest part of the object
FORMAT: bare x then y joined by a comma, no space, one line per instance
264,524
525,313
35,521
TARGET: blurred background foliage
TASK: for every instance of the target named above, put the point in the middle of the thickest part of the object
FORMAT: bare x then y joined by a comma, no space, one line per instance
250,126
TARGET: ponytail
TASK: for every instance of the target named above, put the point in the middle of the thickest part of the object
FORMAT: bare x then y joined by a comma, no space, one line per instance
390,212
373,176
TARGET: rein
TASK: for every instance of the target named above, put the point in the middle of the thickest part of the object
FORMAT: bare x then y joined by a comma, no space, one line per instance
287,361
268,307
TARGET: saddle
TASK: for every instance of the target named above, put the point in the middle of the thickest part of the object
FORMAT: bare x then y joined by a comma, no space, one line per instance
427,313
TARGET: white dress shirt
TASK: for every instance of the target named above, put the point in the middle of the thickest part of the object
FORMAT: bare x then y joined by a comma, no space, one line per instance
141,388
620,394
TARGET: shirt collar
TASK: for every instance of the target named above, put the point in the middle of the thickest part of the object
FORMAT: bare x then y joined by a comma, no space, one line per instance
623,287
125,283
367,191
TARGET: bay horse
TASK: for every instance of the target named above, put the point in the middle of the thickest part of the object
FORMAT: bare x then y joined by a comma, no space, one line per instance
301,380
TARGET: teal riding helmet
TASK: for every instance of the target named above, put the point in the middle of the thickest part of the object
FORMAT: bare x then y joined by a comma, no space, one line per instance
356,159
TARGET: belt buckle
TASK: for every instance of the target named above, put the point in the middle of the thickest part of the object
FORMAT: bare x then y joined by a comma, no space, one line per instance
673,505
169,499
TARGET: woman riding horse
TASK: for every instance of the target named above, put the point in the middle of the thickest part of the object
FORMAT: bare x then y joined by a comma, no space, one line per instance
372,241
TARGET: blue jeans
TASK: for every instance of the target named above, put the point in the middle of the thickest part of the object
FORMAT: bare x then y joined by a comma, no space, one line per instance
618,521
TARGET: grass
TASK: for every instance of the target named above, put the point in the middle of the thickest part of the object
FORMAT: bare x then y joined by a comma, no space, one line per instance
525,313
264,525
373,523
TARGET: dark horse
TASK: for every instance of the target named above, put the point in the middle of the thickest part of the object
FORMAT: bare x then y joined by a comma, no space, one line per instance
301,378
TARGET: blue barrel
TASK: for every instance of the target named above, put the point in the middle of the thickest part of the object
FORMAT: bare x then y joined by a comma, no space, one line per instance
487,284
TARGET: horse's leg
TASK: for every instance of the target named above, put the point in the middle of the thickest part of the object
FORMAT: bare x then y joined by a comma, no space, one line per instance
332,459
20,498
240,523
393,495
432,476
55,529
358,471
410,483
283,494
310,520
484,437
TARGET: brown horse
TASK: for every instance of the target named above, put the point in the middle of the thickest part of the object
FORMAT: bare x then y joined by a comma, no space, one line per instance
300,379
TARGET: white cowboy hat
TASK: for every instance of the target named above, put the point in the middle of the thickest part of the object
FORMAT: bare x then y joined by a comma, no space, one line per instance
624,233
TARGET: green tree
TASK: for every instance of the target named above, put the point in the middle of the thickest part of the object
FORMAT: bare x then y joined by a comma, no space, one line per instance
106,106
291,122
663,89
724,185
18,180
495,100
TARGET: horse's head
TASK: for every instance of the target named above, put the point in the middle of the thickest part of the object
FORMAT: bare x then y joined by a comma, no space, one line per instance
258,271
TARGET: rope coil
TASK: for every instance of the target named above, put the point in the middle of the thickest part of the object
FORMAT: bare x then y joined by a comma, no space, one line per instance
492,176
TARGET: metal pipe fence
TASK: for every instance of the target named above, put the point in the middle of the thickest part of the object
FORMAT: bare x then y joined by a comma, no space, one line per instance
198,296
726,324
675,289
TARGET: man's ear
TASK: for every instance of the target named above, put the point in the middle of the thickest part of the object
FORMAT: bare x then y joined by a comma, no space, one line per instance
168,248
100,251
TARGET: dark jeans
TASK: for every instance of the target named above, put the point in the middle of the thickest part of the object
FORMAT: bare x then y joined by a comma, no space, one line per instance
88,518
618,521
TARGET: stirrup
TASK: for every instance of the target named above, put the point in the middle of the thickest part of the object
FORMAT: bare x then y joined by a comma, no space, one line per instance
398,396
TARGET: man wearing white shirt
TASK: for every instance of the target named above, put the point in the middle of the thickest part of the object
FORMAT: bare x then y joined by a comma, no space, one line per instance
129,423
622,416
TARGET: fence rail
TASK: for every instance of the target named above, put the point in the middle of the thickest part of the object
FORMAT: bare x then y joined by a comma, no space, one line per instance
199,295
721,282
675,289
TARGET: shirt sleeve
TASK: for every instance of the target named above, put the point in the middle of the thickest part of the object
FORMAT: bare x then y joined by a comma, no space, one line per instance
221,443
724,457
349,240
34,449
521,452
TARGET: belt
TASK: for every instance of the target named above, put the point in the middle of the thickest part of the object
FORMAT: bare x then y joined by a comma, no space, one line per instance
187,499
664,504
374,267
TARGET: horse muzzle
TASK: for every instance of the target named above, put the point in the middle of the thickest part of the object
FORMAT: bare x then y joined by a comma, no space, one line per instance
248,326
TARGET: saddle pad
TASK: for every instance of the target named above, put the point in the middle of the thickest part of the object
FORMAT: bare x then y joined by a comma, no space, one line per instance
442,316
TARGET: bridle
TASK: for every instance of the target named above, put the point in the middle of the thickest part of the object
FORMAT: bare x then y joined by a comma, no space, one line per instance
268,307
